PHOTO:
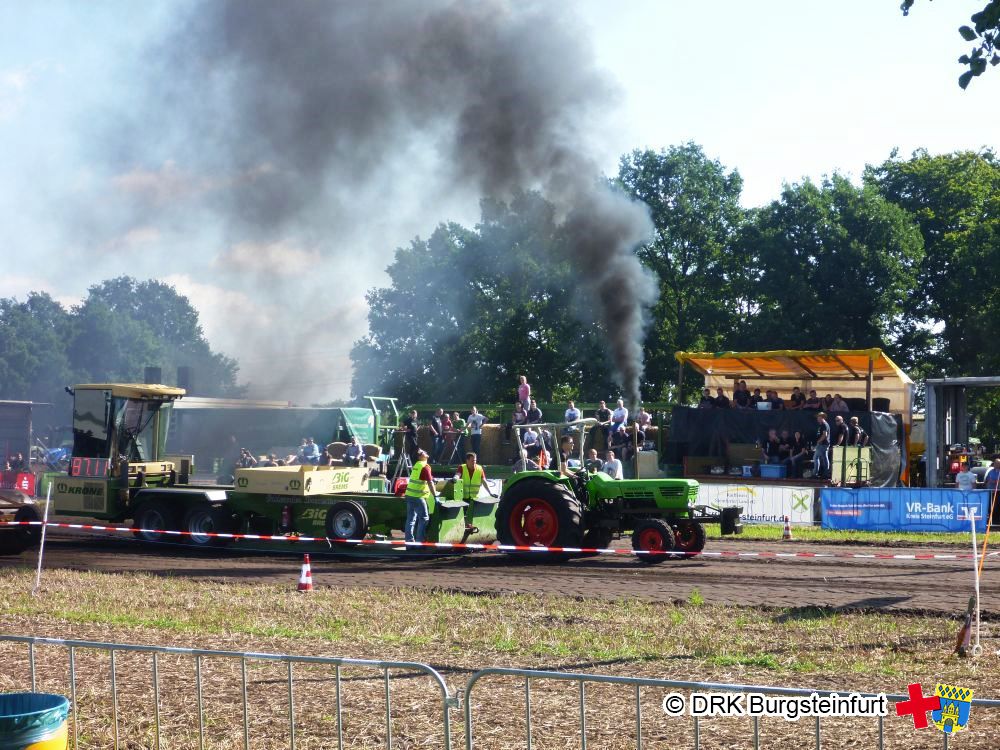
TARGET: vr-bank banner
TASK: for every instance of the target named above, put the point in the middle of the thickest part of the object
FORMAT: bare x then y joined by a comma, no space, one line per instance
761,503
904,509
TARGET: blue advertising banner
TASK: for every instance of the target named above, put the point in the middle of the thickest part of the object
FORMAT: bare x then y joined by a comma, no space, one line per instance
903,509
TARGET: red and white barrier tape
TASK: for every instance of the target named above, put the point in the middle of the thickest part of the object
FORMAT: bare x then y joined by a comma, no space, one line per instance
481,547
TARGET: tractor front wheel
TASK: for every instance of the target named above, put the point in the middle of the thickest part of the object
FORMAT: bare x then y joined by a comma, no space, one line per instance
689,536
654,536
539,513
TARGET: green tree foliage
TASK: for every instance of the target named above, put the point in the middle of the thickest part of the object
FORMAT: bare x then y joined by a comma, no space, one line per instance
955,199
694,204
34,365
984,32
832,265
172,322
111,336
470,310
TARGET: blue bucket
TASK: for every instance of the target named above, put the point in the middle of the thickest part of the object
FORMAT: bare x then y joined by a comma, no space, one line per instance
33,721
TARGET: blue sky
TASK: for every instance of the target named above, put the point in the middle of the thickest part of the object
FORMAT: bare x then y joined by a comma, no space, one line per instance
777,89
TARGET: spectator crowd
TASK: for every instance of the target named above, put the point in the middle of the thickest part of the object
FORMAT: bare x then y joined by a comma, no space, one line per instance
743,398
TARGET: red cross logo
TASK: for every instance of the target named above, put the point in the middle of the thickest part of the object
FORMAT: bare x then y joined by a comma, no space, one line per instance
918,705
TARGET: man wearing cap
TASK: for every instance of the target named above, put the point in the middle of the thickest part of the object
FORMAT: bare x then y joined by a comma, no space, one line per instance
419,488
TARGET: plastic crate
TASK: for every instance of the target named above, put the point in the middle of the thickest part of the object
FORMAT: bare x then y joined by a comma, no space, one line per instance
772,471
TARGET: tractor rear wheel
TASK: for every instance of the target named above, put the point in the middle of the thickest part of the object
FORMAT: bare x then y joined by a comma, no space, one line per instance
151,519
652,535
346,520
689,536
205,519
540,513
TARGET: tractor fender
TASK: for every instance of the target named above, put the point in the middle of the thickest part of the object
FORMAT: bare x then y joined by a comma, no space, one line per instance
548,476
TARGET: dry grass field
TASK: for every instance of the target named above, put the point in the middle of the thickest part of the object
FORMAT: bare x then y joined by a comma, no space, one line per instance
458,633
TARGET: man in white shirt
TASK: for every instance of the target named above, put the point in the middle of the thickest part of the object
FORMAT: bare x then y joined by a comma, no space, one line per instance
965,479
572,414
475,424
529,439
613,466
619,416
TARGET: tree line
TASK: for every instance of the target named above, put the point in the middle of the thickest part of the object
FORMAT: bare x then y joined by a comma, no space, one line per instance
120,328
907,260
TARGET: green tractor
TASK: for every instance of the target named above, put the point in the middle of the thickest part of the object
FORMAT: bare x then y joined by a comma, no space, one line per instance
577,505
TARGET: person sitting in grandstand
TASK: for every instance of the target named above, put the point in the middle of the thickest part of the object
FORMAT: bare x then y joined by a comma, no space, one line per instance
519,417
798,453
325,459
776,401
247,460
786,445
619,417
621,444
592,462
572,413
755,398
838,405
707,402
721,400
741,396
613,466
812,402
770,450
534,413
603,415
797,400
826,401
354,455
531,442
643,419
640,434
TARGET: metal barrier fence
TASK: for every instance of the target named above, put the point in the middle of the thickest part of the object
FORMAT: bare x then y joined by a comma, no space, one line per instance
582,680
445,701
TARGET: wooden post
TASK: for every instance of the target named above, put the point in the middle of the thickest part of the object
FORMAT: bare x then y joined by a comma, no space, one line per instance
868,382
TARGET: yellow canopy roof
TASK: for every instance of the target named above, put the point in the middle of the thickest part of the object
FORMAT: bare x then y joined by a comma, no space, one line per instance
790,364
134,390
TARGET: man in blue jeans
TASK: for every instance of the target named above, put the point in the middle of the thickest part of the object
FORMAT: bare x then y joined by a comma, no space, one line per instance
419,490
821,459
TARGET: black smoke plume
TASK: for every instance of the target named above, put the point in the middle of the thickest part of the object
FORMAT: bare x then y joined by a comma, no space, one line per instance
303,103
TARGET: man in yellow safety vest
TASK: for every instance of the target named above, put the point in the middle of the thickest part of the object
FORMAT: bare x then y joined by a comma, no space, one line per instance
419,488
471,478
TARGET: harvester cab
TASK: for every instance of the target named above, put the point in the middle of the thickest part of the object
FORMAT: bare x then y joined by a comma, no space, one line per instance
119,435
121,428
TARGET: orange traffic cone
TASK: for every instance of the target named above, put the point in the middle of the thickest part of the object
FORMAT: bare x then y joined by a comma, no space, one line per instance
306,577
786,533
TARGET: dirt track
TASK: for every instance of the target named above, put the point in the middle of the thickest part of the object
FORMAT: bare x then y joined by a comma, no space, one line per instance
901,585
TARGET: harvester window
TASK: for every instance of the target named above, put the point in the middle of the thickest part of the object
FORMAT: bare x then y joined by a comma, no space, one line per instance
91,423
136,427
